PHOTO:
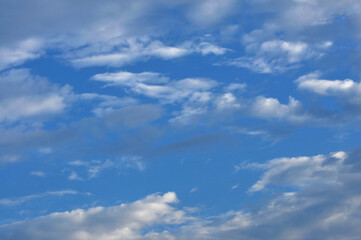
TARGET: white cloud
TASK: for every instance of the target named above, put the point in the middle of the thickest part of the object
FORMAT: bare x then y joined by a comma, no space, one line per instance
187,115
208,12
154,85
127,221
74,176
347,90
20,200
24,96
93,169
227,101
129,79
106,104
135,50
325,206
301,171
326,203
276,55
16,55
263,107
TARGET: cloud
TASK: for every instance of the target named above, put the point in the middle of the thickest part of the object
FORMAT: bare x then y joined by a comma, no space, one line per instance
272,56
134,50
110,33
154,85
346,90
296,16
24,95
227,101
208,12
127,221
326,204
105,103
263,107
16,55
17,201
93,169
301,171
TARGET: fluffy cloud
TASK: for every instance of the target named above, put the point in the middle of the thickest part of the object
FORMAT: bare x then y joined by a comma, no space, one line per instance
346,90
263,107
127,221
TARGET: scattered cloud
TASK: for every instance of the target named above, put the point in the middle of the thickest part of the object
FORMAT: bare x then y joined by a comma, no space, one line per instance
263,107
346,90
127,221
154,85
301,171
15,55
309,212
136,49
274,56
24,95
92,169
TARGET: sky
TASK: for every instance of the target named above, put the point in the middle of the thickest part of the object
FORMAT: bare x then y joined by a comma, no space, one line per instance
180,120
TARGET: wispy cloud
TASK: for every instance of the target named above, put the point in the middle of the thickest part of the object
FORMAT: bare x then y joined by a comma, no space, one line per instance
20,200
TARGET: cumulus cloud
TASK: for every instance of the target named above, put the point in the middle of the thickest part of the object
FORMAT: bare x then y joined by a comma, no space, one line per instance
264,107
346,90
127,221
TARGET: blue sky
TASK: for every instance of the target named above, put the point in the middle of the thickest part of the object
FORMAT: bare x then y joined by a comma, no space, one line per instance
205,119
